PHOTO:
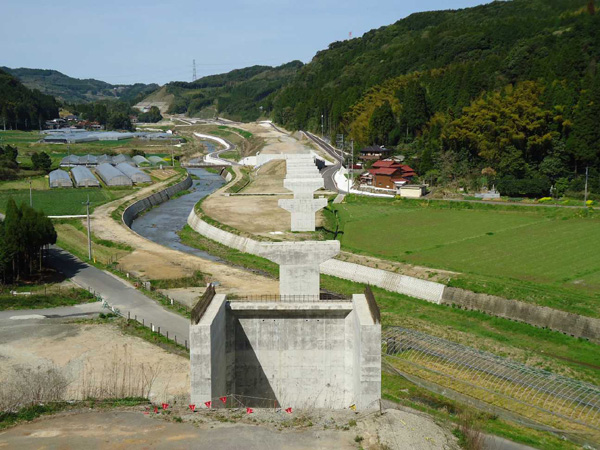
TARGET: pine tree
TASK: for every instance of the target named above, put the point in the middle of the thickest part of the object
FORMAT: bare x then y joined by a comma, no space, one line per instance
381,124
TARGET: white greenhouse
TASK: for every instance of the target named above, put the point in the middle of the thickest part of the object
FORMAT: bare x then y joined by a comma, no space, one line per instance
84,177
59,178
135,174
140,161
112,176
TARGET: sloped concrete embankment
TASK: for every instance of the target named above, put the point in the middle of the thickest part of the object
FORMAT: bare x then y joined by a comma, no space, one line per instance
134,210
538,316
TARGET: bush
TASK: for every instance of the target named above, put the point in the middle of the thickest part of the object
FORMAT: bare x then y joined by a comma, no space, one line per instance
536,186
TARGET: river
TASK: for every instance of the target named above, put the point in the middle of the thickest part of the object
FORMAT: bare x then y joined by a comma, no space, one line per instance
162,223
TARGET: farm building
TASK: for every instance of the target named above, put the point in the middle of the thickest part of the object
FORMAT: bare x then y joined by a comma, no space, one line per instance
122,159
140,161
112,176
84,177
135,174
156,160
88,160
60,178
69,161
374,153
104,159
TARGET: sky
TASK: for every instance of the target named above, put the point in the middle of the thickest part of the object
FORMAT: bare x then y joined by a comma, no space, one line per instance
132,41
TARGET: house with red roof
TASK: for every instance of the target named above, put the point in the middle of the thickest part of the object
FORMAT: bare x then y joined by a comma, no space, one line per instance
388,174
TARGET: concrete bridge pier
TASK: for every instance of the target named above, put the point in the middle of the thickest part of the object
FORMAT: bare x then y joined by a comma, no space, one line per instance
299,272
303,212
303,188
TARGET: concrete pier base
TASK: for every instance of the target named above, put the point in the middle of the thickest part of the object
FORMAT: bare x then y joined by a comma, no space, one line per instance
299,355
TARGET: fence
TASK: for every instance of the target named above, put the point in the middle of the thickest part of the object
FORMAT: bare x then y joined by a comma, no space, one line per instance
153,327
534,393
291,298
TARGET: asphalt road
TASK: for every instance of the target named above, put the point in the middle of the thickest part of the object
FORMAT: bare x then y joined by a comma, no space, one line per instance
328,171
85,309
119,294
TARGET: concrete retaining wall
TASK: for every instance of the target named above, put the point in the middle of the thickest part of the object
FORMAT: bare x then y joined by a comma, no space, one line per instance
539,316
132,211
414,287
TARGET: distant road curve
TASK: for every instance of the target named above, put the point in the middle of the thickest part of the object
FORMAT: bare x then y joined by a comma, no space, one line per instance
328,171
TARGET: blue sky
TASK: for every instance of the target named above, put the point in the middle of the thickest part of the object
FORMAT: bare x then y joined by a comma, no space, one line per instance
130,41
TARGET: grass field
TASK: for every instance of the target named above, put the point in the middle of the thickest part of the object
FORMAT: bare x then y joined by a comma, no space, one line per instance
545,255
58,202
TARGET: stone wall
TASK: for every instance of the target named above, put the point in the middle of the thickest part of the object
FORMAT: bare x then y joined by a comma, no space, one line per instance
538,316
134,210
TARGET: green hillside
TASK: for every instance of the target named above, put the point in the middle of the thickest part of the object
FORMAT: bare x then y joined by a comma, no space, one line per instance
22,108
75,90
503,93
243,94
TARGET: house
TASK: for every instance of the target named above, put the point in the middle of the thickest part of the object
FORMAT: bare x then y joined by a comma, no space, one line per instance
388,174
374,153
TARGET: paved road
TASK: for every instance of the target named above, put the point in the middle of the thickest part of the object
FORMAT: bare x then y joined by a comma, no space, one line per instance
328,171
86,309
119,294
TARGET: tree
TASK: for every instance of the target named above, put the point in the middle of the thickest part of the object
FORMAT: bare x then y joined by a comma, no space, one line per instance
591,8
381,124
584,141
41,161
119,121
415,112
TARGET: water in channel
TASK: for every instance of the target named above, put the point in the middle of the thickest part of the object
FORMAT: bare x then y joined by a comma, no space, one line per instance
162,223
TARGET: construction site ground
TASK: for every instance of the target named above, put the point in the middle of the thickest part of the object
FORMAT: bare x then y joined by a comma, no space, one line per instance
219,429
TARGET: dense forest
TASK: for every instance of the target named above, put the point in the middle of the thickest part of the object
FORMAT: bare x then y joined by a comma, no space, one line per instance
23,235
505,93
75,90
22,108
243,94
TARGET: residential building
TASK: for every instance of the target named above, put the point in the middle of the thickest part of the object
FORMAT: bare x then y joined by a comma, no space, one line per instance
374,153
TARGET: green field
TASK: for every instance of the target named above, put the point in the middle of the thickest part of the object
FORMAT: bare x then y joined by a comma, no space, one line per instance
545,255
58,202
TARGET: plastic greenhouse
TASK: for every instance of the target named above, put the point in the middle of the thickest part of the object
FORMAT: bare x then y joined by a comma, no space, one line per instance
104,159
59,178
135,174
84,177
70,160
122,159
112,176
157,160
140,161
88,160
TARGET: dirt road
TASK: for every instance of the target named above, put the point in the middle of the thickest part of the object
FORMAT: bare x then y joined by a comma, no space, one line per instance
154,261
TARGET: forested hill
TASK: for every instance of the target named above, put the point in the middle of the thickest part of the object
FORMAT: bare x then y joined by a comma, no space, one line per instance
75,90
504,92
22,108
243,94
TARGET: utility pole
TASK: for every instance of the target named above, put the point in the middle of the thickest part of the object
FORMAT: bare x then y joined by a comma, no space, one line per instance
172,158
194,70
586,186
89,228
30,195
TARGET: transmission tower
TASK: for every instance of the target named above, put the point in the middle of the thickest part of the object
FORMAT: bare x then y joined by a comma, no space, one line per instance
194,70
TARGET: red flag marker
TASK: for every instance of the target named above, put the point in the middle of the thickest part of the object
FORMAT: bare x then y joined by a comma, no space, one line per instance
288,410
208,404
249,410
165,405
223,399
146,412
156,410
193,408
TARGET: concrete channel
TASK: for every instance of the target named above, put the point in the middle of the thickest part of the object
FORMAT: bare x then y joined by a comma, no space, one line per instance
162,223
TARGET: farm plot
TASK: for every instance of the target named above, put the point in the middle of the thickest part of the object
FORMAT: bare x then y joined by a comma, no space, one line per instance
521,246
62,201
